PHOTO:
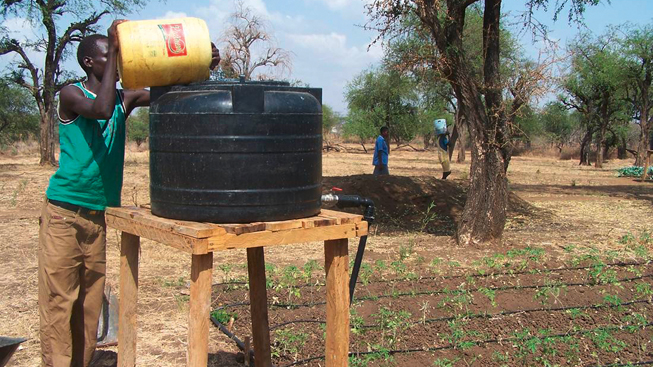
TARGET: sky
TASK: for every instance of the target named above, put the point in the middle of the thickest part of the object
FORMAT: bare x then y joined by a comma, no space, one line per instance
328,42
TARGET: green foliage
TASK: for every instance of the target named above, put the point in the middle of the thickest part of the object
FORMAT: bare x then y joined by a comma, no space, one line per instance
330,119
392,324
288,341
445,362
594,85
365,359
138,125
633,171
19,117
558,124
360,124
223,316
383,97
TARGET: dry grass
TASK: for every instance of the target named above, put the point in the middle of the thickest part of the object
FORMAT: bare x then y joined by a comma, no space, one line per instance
583,206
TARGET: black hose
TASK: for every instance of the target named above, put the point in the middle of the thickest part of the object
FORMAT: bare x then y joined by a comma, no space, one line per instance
353,201
357,268
233,337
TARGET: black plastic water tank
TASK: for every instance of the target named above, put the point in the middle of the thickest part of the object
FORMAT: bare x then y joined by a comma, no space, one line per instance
235,152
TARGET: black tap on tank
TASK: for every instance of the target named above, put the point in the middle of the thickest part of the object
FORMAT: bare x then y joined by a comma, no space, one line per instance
235,152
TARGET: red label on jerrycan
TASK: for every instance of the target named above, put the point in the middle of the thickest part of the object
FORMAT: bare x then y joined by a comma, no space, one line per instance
175,39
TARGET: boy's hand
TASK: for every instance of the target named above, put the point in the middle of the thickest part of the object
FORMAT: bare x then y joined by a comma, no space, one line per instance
113,34
215,57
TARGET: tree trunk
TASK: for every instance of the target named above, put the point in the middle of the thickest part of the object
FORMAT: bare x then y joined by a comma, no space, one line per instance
453,140
584,148
462,140
599,148
461,152
644,123
428,137
46,139
643,143
484,215
621,149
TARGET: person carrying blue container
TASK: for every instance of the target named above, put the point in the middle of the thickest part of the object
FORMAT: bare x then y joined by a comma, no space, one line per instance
443,146
381,152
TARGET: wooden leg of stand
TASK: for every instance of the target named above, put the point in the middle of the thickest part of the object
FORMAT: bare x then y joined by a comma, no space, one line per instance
200,309
258,298
129,246
337,323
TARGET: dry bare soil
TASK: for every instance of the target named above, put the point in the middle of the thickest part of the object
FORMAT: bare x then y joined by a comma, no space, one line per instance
569,285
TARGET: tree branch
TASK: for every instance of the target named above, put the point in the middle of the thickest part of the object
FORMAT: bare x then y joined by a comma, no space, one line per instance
69,35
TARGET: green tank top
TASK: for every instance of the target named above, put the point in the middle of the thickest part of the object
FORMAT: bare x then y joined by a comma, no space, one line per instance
92,159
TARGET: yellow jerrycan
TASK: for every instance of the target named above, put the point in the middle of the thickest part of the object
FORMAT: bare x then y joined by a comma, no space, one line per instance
161,52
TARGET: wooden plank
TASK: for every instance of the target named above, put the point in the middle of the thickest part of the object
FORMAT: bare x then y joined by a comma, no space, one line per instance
145,216
336,260
308,223
361,229
200,309
325,221
258,299
179,241
246,351
343,216
243,228
334,219
129,248
283,225
268,238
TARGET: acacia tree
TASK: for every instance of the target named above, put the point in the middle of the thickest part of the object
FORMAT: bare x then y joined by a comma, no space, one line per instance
18,114
595,88
385,97
558,124
638,52
247,44
482,104
48,17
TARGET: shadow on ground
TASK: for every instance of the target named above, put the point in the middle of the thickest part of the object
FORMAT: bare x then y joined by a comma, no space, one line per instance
415,203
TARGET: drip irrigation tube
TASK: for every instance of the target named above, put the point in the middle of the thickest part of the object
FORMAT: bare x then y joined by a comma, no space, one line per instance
481,315
440,291
452,346
486,275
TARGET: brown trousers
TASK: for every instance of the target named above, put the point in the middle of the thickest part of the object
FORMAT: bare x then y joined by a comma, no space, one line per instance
443,156
72,268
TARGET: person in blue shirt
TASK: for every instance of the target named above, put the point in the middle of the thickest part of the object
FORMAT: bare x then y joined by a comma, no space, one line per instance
381,152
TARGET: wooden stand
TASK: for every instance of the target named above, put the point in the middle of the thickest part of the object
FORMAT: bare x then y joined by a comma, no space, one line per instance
647,164
201,240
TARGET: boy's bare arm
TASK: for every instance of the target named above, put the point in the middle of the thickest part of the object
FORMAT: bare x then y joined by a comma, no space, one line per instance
73,102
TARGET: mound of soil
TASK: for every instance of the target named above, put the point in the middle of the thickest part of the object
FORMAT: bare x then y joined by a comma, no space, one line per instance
414,203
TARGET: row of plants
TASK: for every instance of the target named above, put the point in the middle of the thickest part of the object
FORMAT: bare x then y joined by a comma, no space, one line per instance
622,285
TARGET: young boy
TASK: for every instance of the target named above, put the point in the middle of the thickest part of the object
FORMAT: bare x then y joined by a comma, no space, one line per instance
72,237
381,152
